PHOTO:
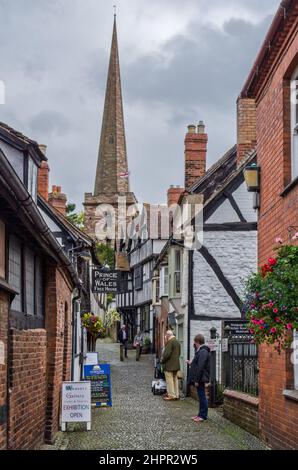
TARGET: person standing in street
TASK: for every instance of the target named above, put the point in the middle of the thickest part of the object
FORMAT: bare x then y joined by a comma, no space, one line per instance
199,376
171,364
122,338
139,341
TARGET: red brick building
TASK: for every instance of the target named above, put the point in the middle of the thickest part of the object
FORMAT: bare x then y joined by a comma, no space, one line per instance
272,89
36,285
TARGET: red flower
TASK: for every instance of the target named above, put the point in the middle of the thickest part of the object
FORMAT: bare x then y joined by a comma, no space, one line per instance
272,262
266,269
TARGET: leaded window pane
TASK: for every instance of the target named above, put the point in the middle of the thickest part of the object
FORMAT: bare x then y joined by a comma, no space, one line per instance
39,286
30,288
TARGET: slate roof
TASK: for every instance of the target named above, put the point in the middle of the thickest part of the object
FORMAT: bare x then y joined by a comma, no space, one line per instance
15,137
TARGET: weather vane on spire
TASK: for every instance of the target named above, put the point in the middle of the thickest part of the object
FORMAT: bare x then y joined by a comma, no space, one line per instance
115,9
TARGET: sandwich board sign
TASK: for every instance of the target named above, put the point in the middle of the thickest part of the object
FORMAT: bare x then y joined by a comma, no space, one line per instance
76,403
100,379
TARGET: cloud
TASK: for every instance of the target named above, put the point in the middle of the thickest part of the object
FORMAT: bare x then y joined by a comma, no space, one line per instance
181,61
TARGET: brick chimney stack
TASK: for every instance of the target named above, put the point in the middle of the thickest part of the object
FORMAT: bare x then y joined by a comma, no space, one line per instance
195,154
246,127
43,176
58,200
174,194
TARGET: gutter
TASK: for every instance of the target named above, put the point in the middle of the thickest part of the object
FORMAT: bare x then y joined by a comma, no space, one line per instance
280,16
29,206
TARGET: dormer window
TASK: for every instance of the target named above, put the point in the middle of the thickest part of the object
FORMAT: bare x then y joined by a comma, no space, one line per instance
294,124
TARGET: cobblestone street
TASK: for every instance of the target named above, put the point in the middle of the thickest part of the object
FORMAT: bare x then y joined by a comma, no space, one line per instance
140,420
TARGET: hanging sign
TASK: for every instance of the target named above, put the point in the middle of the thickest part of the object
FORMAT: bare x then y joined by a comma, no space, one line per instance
238,327
100,379
105,281
76,403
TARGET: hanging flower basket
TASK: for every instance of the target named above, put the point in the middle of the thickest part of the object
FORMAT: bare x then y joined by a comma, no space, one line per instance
95,328
271,301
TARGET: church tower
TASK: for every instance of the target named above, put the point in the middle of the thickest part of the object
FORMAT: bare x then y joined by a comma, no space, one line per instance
112,175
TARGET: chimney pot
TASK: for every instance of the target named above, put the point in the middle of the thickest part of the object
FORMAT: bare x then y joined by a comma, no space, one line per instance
201,128
192,129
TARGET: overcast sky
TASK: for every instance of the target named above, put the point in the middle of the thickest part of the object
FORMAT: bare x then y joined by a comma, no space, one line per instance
181,61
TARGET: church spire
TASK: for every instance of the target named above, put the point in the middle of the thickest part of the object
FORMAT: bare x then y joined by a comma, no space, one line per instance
112,170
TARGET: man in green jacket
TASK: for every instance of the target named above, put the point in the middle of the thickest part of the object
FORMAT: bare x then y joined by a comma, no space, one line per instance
171,363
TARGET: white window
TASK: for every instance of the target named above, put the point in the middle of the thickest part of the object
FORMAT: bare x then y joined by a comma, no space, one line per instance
32,179
164,281
177,272
294,124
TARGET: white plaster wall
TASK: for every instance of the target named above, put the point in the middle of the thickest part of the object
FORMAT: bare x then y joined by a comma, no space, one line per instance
244,201
224,213
236,254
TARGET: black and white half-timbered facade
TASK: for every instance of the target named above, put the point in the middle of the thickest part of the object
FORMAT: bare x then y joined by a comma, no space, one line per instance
228,254
205,284
135,300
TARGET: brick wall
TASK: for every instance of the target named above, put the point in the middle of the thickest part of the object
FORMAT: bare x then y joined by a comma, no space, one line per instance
27,376
242,410
246,127
4,300
278,415
59,337
195,154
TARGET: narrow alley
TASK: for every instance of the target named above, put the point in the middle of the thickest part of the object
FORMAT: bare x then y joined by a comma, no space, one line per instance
139,420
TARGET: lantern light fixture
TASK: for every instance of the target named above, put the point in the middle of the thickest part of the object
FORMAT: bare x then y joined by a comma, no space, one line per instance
252,176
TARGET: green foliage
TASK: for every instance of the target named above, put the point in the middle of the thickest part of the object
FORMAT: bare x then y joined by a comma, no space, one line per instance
105,254
112,317
271,303
76,219
147,341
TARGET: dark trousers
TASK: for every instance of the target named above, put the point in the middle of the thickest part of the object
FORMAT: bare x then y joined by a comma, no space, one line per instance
125,345
203,411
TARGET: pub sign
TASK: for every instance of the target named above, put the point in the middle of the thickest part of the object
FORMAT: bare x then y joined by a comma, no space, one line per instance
105,281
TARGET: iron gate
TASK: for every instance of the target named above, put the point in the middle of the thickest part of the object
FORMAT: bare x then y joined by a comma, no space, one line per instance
241,365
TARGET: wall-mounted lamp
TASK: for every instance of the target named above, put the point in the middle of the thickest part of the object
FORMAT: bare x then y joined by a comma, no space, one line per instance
252,175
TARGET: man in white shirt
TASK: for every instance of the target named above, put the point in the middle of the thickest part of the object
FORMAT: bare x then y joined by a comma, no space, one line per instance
122,337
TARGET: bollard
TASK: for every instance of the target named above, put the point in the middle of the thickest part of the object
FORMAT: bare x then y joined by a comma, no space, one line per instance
138,349
121,352
212,398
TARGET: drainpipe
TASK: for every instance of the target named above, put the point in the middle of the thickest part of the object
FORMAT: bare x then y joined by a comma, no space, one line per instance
74,332
190,309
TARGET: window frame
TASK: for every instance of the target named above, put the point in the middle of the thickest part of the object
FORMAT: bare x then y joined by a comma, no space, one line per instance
37,283
294,124
177,273
138,277
164,281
